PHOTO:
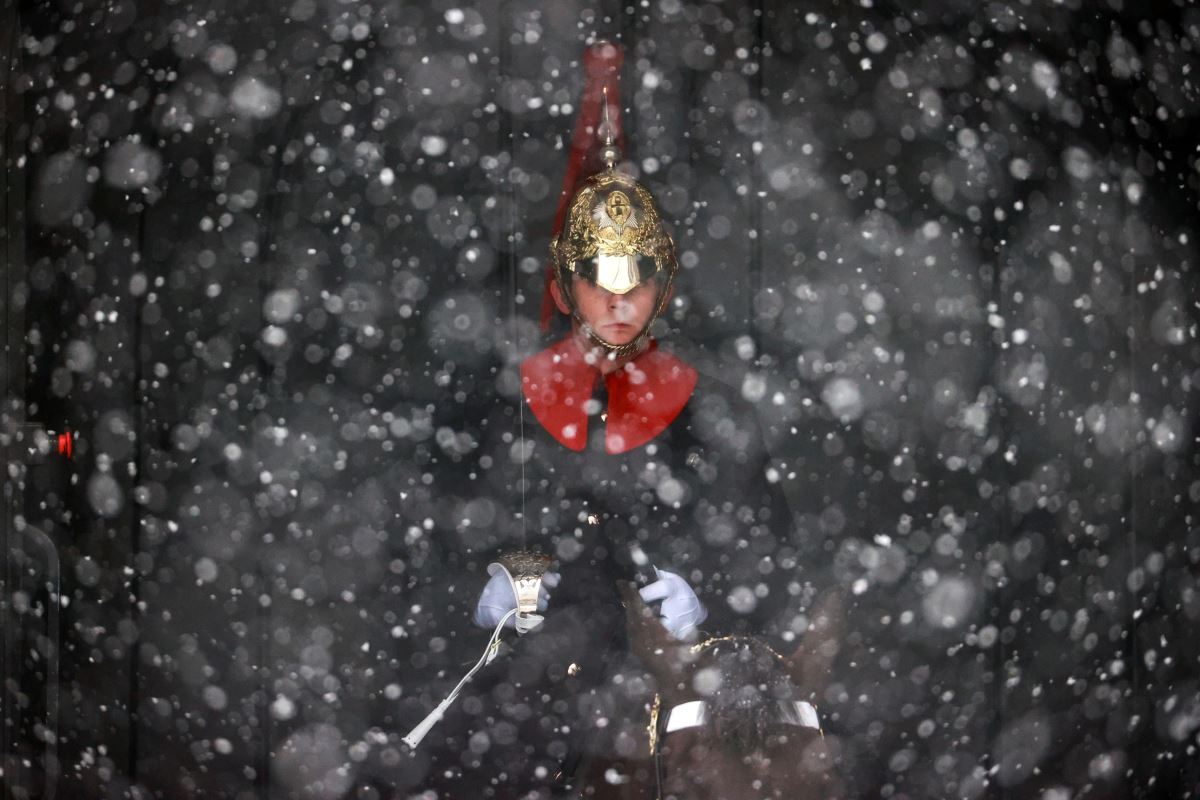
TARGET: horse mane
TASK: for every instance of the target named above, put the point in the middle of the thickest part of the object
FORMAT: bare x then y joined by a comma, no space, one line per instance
753,679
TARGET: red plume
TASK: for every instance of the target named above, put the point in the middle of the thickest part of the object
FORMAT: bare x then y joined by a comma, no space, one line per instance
602,70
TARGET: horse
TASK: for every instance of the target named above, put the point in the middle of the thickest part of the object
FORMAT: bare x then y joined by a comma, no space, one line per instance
731,718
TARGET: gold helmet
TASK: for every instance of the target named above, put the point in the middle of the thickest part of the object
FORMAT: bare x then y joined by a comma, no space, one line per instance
614,238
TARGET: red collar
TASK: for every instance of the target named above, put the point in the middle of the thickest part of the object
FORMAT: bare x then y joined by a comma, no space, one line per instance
644,397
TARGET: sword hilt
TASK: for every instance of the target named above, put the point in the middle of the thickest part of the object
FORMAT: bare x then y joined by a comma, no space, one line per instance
525,569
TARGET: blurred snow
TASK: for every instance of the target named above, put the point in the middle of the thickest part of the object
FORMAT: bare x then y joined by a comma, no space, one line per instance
281,263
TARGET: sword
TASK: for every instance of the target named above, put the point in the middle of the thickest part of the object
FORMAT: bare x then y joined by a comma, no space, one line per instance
524,570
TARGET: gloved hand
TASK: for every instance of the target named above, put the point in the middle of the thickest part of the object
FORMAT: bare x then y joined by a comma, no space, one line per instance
498,598
681,609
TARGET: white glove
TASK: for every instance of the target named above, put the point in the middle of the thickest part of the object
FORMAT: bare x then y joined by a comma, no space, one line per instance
498,598
681,610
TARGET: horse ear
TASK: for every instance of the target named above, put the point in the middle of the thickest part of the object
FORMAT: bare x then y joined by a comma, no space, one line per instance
811,663
650,641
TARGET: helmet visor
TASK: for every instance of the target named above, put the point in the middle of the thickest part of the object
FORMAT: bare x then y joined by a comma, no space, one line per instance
618,274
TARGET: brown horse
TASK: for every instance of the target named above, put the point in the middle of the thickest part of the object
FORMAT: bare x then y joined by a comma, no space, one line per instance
732,718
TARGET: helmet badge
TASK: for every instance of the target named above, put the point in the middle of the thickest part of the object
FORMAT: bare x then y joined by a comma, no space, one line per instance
618,208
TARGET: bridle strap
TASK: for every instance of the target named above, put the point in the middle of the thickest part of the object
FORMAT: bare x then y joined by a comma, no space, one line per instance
694,714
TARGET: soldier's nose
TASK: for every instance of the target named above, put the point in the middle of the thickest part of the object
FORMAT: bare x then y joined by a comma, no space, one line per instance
620,306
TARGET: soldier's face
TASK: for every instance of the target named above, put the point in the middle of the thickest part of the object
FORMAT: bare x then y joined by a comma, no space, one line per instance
616,318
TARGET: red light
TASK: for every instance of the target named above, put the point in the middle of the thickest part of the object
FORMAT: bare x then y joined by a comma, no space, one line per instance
65,444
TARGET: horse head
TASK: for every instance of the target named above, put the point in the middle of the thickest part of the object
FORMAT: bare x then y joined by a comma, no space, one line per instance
734,718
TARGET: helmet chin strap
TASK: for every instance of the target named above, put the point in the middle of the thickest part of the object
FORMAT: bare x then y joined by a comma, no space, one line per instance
611,350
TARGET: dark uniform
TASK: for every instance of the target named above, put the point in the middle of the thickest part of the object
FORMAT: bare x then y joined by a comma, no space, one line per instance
668,458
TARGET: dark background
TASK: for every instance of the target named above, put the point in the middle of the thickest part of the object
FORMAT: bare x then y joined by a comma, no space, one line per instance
251,249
